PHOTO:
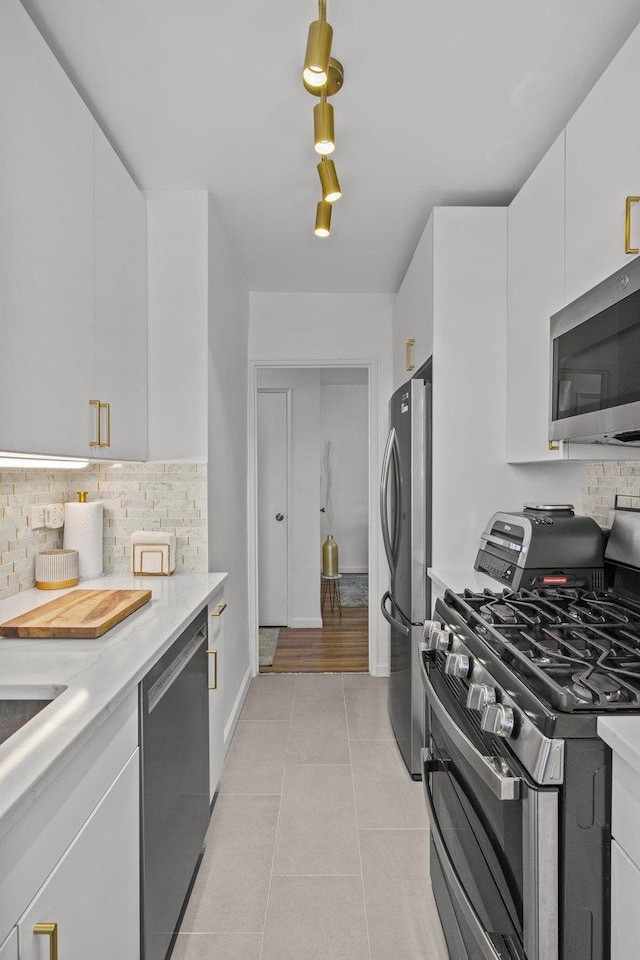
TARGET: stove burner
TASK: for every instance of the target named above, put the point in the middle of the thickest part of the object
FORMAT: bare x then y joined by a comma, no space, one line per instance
596,687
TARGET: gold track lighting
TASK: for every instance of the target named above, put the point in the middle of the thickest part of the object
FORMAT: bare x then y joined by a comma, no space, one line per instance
316,61
324,138
323,219
329,179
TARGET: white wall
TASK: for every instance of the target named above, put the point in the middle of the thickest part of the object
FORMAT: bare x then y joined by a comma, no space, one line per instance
344,415
413,309
304,529
227,385
471,478
177,297
322,329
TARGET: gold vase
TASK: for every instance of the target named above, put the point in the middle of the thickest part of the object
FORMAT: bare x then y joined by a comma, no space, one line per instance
330,557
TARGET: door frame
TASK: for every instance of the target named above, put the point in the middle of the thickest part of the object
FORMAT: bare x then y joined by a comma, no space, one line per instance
288,497
371,365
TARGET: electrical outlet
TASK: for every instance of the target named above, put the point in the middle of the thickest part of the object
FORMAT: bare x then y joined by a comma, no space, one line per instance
37,517
54,515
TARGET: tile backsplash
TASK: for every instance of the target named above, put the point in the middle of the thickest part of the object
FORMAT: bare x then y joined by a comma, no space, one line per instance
136,496
600,484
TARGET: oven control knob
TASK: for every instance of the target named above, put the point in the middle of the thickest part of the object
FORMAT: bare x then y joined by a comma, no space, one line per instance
457,665
430,627
498,719
439,640
480,694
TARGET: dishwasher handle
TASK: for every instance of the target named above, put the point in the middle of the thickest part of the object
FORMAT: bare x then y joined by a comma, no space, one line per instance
171,673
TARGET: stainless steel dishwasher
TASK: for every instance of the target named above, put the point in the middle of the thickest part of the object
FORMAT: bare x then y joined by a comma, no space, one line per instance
174,804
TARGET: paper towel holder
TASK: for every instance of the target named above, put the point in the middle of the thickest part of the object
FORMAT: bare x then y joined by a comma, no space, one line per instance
82,496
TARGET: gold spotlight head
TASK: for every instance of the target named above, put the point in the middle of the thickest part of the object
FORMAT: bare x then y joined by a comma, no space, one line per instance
323,219
329,180
316,60
335,80
324,139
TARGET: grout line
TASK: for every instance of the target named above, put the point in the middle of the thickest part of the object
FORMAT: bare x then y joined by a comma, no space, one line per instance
275,839
355,807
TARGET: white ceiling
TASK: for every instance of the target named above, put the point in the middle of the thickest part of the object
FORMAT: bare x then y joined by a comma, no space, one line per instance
445,102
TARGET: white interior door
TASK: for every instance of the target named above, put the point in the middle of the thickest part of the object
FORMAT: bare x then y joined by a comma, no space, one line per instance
273,458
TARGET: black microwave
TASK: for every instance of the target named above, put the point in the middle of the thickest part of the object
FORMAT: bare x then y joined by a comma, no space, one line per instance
595,363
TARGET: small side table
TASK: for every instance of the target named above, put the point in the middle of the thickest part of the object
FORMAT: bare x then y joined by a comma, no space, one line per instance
330,587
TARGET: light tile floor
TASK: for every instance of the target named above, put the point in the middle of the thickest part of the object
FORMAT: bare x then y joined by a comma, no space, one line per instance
318,843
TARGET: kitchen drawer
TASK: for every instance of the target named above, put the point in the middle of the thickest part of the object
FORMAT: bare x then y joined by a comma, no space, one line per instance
625,896
625,818
31,849
9,949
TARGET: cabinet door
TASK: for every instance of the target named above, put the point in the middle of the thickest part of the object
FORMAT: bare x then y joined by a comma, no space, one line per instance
93,893
46,247
120,307
625,894
603,168
535,292
216,696
9,949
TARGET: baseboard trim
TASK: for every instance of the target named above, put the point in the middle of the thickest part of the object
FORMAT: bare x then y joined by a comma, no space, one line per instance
306,623
354,569
237,707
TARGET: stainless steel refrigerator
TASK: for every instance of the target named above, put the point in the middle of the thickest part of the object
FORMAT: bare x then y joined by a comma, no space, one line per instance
405,512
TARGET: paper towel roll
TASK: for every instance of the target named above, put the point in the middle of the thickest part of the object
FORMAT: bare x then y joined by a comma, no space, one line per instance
83,532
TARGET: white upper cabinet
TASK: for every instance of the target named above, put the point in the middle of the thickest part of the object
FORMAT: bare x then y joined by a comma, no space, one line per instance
603,169
46,246
120,308
535,291
413,312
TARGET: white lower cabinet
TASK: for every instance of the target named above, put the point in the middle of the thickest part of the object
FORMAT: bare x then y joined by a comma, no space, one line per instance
625,897
93,894
217,607
9,949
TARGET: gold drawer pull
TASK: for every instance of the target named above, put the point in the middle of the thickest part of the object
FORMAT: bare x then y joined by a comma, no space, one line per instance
49,930
407,355
219,610
214,685
107,407
627,226
96,441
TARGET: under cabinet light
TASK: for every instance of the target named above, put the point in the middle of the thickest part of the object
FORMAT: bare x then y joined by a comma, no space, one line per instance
8,461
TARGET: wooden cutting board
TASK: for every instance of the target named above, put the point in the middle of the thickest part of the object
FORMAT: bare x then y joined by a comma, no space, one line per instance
81,614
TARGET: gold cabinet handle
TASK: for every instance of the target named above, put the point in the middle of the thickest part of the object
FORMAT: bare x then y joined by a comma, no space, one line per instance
107,407
96,441
407,355
627,226
214,685
219,610
49,930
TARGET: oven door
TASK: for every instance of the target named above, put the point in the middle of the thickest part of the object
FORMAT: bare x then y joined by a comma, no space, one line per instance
494,840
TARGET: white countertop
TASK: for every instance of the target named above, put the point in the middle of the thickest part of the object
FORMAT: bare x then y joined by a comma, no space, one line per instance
622,734
97,674
463,578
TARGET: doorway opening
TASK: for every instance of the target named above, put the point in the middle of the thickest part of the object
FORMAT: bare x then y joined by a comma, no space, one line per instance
312,483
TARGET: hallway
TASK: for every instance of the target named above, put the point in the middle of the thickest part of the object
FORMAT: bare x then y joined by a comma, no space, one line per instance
318,843
341,645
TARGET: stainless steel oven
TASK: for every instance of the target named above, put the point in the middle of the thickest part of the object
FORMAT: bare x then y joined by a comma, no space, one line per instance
494,837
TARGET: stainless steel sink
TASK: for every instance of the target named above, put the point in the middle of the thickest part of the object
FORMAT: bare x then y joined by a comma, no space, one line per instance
20,703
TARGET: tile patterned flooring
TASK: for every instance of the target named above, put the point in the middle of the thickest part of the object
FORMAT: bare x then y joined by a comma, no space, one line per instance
318,844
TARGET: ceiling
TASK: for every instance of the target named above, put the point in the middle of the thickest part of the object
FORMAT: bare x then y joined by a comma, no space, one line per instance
445,102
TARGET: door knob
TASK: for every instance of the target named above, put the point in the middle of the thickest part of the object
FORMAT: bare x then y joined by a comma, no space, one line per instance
279,517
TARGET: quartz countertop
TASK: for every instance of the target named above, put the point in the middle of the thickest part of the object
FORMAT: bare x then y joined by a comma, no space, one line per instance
463,578
622,734
95,676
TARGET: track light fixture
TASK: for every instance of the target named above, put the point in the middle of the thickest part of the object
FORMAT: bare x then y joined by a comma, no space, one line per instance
323,77
329,180
323,219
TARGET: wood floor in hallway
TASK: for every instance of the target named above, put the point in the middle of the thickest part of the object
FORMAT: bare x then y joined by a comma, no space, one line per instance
341,646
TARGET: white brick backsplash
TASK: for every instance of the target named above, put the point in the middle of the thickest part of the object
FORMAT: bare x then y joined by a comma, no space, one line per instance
137,496
600,484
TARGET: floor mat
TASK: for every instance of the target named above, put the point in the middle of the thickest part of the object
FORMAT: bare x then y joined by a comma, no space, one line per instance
354,589
268,641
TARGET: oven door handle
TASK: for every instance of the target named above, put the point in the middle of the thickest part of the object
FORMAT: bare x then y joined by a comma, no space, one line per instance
454,883
505,788
405,631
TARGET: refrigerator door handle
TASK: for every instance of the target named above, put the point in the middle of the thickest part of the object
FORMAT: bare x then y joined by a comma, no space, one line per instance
390,538
405,631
